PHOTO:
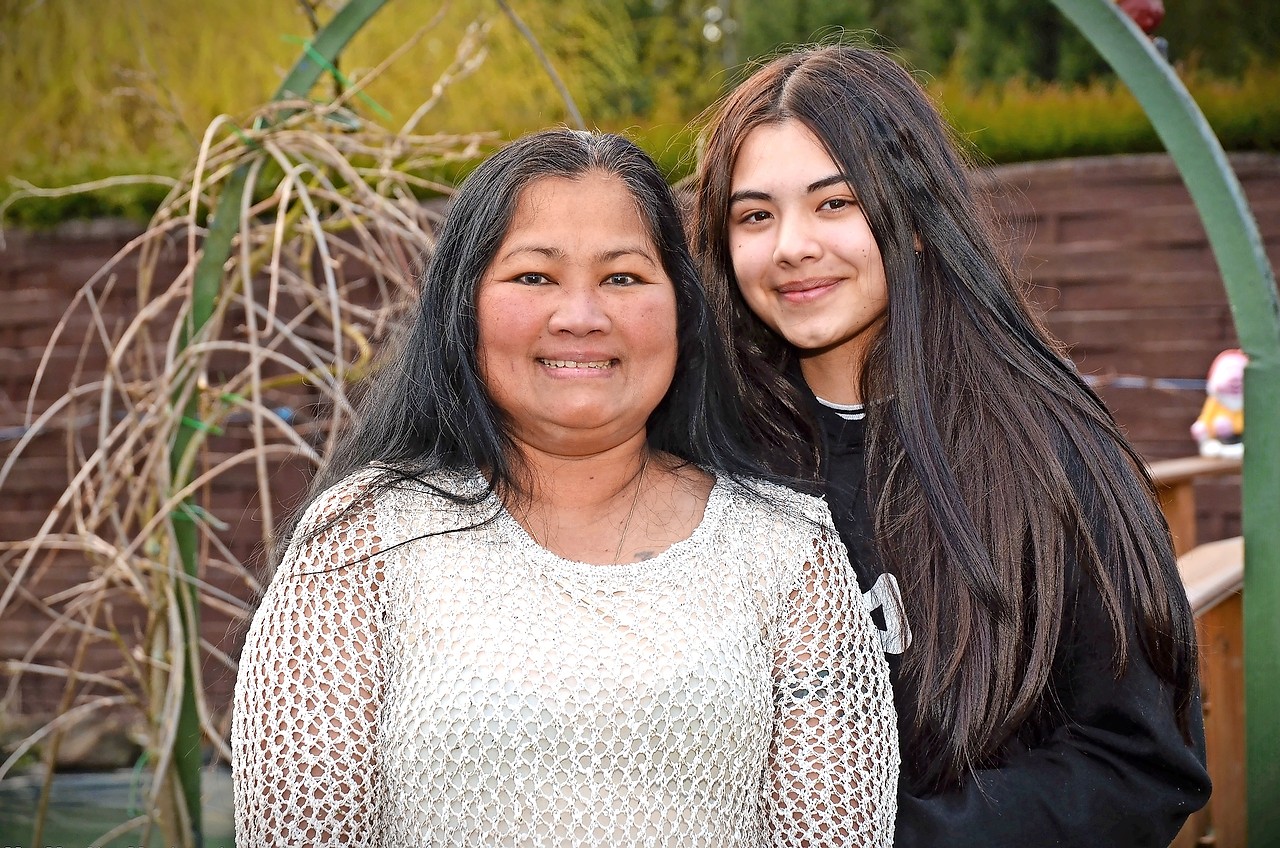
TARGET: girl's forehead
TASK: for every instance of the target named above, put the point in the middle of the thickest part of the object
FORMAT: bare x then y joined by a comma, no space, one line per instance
784,155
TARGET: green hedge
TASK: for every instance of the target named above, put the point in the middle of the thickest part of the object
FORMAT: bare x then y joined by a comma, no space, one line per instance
1020,122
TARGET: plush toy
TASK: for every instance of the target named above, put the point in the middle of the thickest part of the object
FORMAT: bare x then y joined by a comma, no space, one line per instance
1220,428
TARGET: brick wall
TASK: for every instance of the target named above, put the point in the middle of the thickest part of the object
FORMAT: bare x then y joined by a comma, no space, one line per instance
40,275
1113,247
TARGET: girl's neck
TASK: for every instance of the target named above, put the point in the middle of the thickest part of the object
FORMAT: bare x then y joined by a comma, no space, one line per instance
833,375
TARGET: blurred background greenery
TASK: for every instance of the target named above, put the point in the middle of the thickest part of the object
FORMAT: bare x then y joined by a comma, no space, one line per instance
95,89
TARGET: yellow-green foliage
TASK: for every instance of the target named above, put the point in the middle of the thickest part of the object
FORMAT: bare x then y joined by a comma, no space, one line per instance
94,89
84,77
1019,121
126,82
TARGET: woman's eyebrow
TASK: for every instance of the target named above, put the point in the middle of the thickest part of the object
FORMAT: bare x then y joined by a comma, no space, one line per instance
516,250
558,254
638,252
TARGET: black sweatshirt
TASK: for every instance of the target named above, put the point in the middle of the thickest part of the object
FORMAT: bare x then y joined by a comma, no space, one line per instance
1116,772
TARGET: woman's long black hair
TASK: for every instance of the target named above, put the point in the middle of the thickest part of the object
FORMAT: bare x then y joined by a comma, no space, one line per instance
428,410
993,463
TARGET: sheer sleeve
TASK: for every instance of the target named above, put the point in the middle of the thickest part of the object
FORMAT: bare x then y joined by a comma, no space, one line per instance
304,761
833,765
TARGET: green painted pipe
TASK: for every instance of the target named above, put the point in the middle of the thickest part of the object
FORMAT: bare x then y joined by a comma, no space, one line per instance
1251,290
206,285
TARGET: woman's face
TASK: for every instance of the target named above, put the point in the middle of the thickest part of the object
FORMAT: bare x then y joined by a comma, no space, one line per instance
803,254
577,317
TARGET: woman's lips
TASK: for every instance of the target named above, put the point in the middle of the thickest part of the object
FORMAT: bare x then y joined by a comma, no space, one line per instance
577,364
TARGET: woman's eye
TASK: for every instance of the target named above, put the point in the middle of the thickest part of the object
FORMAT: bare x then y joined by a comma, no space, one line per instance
532,279
623,280
837,203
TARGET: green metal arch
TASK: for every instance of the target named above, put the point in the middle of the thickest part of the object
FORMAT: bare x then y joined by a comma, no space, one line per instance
1251,290
315,60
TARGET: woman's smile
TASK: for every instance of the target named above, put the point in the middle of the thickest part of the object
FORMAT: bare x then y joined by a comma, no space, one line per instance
578,365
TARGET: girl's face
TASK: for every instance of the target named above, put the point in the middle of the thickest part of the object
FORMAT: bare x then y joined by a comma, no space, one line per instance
803,254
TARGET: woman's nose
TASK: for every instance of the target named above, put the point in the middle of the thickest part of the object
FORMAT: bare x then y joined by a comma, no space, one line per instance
579,310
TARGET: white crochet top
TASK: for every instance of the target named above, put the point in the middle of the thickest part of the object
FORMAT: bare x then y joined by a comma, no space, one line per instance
407,683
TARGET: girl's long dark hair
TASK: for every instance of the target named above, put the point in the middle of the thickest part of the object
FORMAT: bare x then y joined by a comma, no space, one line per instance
993,463
428,410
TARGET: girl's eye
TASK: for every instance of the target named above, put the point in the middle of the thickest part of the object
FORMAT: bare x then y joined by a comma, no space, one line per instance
754,217
532,279
623,280
837,203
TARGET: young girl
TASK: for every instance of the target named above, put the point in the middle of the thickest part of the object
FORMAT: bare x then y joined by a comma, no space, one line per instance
1042,649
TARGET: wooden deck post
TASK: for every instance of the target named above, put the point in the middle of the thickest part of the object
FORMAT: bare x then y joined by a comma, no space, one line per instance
1213,575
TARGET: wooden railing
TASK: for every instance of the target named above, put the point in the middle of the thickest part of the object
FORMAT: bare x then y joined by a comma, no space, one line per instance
1213,574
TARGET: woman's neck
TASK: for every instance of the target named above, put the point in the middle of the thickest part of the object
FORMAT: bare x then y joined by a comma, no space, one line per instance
583,484
622,505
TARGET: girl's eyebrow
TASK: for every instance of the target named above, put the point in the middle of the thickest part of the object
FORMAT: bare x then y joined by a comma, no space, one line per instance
749,194
819,185
827,182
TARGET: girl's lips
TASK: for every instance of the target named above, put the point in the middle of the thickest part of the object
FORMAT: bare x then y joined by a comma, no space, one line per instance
803,291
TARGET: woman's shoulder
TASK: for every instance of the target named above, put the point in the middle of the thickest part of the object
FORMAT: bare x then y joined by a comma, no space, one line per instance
773,504
382,503
378,484
783,537
777,527
348,494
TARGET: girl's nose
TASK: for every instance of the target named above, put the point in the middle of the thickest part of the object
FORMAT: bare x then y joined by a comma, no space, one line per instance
796,241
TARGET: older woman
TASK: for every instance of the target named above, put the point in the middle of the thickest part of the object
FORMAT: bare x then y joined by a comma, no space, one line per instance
542,595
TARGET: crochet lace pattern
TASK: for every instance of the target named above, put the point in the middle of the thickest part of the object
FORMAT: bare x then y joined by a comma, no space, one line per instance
419,675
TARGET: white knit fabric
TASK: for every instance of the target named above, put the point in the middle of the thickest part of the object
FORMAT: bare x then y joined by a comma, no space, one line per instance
472,688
